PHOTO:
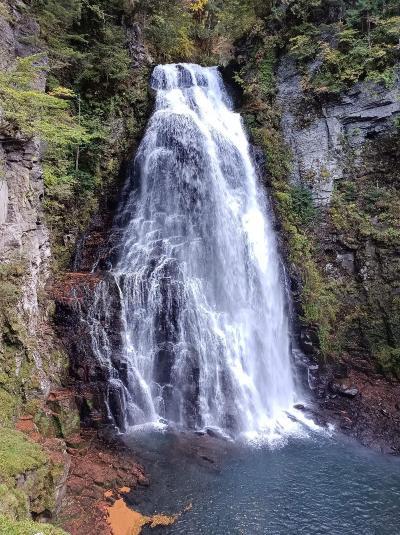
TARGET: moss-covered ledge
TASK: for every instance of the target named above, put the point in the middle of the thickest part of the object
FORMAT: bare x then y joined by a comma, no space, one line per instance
26,527
29,481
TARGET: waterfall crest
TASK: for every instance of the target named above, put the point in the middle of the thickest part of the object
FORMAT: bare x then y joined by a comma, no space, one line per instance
204,336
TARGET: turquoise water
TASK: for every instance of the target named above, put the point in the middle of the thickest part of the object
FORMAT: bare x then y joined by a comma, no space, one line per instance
316,485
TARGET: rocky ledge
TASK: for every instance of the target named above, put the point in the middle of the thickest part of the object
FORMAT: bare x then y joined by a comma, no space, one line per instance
94,471
359,402
100,468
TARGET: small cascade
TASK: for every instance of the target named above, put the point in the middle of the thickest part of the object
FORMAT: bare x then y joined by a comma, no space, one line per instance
202,336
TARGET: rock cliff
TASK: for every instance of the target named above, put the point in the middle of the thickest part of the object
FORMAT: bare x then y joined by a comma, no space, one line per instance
321,132
24,236
343,150
32,363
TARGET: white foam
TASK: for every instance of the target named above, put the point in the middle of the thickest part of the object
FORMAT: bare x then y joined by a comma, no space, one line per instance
205,335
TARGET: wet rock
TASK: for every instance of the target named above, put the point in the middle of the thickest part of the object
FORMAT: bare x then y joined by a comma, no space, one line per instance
207,459
309,341
74,295
343,389
346,260
362,405
350,392
213,433
339,370
98,470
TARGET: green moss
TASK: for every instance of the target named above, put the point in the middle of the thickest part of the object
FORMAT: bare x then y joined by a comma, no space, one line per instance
62,422
69,421
47,425
18,454
13,337
389,358
267,77
11,276
13,502
26,527
364,212
9,406
277,154
27,476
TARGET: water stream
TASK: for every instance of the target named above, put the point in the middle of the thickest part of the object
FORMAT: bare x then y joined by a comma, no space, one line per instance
204,327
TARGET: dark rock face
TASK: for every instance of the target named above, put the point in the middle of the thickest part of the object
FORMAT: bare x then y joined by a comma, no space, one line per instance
362,404
308,341
343,389
136,46
74,296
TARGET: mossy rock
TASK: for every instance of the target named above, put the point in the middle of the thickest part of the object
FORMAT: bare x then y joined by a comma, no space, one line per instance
13,503
69,422
18,455
26,527
9,405
47,424
27,476
66,416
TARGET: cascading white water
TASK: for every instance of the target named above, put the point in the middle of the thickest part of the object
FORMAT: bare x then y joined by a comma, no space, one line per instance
205,339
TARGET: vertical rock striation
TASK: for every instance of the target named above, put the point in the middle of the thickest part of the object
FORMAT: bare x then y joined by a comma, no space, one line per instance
319,133
32,479
24,236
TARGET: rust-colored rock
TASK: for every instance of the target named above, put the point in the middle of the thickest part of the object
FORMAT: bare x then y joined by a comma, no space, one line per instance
25,425
98,470
73,288
363,404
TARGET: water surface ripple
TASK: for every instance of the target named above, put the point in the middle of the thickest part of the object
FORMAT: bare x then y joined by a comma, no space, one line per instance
311,486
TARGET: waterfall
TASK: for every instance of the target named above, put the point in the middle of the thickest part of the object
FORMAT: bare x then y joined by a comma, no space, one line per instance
203,328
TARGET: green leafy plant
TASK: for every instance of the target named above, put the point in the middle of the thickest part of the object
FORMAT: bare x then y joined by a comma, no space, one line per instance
303,204
34,112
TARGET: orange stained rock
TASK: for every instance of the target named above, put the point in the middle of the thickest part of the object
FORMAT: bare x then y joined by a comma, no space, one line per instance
162,520
125,521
